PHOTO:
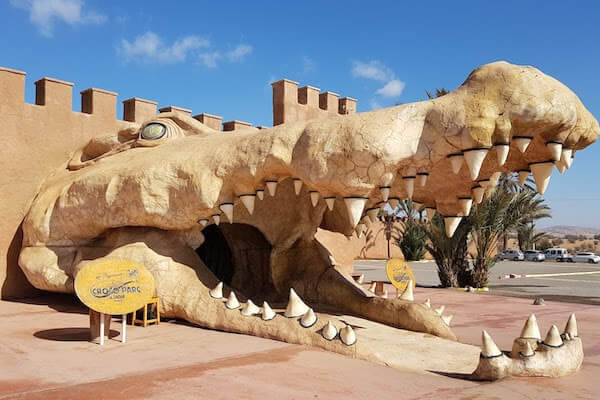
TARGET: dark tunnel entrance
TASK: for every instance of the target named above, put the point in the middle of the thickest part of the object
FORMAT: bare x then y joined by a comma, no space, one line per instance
239,255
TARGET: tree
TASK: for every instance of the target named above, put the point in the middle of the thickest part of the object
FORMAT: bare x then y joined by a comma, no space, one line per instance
527,237
438,93
412,236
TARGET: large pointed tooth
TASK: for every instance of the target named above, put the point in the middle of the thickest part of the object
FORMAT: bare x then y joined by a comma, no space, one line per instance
440,310
217,219
409,178
297,186
385,192
372,214
330,201
227,209
541,174
355,207
555,150
393,202
427,303
447,319
526,349
560,166
422,178
232,301
308,319
502,152
530,329
407,294
474,159
484,183
248,200
571,327
347,335
385,294
553,337
296,307
329,332
456,161
494,178
360,279
430,211
523,175
489,348
451,224
478,193
372,287
360,230
260,193
567,156
217,291
272,186
250,309
314,198
267,312
203,221
522,142
465,204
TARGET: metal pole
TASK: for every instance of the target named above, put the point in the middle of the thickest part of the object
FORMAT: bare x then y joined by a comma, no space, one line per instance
124,329
101,329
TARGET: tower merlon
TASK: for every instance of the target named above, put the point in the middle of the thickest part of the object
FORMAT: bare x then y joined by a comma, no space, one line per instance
210,120
12,86
175,109
309,95
138,110
347,105
55,93
99,102
329,101
235,125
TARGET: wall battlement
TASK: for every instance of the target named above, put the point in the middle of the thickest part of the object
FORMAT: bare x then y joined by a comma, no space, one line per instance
291,103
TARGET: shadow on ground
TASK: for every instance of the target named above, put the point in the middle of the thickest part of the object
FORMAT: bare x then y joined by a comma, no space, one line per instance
69,334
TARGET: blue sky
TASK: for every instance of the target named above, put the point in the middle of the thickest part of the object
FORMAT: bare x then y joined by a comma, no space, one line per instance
219,57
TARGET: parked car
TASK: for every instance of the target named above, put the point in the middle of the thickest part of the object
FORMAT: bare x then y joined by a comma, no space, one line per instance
586,257
558,254
509,254
534,255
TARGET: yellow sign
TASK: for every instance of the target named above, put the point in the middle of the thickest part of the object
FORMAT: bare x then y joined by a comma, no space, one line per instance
114,286
399,273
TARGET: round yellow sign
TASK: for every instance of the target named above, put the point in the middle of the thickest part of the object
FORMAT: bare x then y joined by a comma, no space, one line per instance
399,273
114,286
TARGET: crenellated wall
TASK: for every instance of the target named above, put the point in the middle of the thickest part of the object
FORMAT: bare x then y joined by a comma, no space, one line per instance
291,103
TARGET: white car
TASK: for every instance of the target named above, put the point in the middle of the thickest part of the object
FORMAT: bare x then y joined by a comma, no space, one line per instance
585,257
557,254
514,255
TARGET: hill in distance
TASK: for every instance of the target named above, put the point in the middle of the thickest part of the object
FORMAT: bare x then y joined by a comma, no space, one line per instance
563,230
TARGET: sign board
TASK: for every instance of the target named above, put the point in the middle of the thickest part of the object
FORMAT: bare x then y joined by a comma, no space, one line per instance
399,273
114,287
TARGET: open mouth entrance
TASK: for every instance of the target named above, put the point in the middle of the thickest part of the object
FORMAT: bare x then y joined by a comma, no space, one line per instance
239,255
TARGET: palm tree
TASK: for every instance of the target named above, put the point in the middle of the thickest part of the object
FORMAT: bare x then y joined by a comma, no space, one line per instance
528,237
412,235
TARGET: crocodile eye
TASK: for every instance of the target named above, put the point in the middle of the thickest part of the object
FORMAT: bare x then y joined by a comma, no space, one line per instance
153,131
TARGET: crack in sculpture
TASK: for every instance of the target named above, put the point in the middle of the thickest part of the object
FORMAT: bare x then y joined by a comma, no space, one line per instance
148,194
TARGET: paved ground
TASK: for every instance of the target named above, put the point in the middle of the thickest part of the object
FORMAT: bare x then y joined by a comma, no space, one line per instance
44,355
577,289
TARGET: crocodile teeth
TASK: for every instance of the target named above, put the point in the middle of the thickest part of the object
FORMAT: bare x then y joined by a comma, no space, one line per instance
430,212
329,332
227,209
530,329
451,224
355,207
217,219
217,291
555,150
260,193
541,174
232,301
456,161
560,166
526,350
296,307
427,303
465,204
489,348
248,200
385,294
502,153
308,319
553,337
422,178
409,185
522,142
372,287
447,319
478,193
474,159
203,221
297,186
330,201
571,327
407,294
394,202
272,186
523,175
347,335
440,310
385,192
267,312
250,309
314,198
567,157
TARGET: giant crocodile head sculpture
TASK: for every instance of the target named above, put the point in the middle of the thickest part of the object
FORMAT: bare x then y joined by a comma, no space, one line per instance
155,194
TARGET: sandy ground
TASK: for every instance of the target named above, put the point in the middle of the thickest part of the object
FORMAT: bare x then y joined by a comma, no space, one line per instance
44,354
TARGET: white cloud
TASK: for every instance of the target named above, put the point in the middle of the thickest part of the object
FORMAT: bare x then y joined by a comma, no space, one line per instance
209,60
393,88
375,70
44,13
149,47
372,70
239,53
375,105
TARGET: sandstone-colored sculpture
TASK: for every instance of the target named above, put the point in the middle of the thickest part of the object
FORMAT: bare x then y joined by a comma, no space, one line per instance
150,194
